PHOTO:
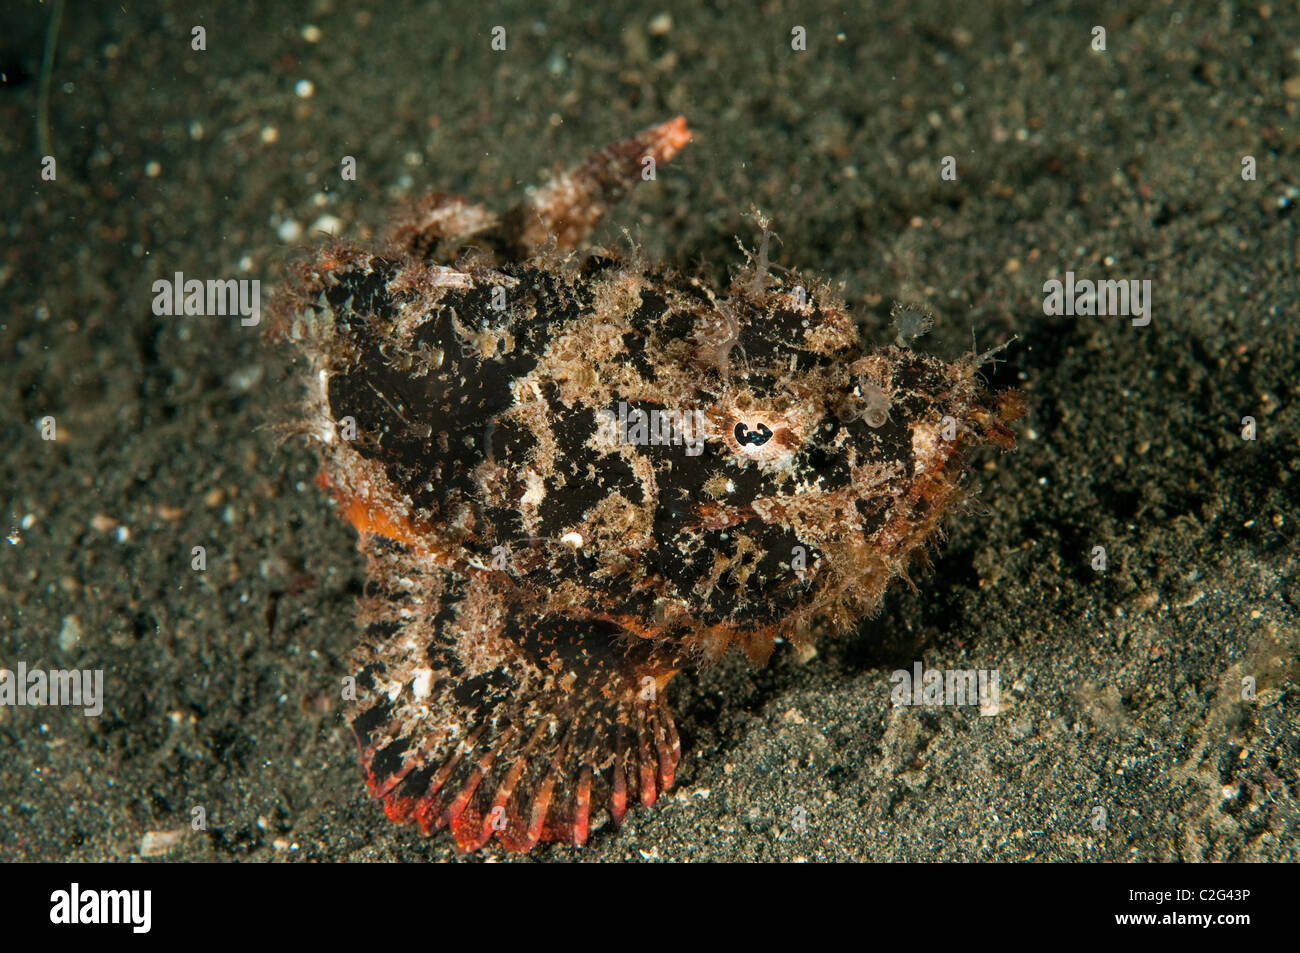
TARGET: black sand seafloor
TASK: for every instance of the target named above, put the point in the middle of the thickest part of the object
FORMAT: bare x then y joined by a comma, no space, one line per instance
1148,709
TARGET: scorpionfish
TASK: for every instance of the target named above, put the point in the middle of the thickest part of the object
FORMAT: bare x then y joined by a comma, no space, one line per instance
574,473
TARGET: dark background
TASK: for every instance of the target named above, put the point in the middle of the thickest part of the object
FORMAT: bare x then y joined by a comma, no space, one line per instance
1121,690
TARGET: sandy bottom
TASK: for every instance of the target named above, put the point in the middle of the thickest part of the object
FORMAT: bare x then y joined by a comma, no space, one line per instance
1123,733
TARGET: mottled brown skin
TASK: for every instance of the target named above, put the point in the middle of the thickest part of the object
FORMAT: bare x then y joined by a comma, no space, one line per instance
538,578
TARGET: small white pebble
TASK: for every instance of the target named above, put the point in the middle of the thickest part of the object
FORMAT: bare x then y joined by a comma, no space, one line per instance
153,168
69,633
330,224
245,379
311,33
305,88
270,134
157,843
290,230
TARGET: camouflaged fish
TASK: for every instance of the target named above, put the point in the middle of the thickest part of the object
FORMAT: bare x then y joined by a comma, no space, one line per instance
573,475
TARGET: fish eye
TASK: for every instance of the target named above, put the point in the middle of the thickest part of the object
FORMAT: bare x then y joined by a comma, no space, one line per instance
752,438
